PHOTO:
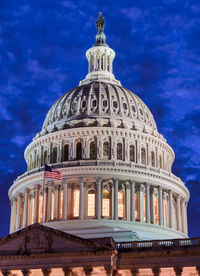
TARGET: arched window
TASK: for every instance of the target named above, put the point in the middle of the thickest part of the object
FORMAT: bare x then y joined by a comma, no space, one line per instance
136,206
132,153
121,204
160,161
153,161
66,152
143,156
106,150
156,211
75,208
93,153
54,155
45,157
106,198
119,151
91,203
79,151
60,204
40,209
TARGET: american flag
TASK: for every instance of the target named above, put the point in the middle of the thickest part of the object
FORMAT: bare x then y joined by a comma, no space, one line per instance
50,172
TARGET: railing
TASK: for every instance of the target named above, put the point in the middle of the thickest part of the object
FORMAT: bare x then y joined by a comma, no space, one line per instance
158,243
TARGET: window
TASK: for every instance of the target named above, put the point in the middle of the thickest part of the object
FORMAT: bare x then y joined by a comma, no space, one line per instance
91,203
79,150
106,203
143,156
66,152
132,153
119,151
115,104
156,211
94,103
54,155
40,209
136,206
106,150
60,204
153,163
84,104
147,115
93,150
75,209
125,106
45,157
105,103
74,105
133,108
141,113
121,204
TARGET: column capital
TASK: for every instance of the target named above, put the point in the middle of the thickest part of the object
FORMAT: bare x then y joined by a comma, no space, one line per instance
147,185
142,187
81,180
160,188
98,180
27,190
36,187
64,181
46,271
116,180
88,270
132,182
20,195
55,187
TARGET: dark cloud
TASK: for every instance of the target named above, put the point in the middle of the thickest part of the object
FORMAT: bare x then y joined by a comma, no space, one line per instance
42,55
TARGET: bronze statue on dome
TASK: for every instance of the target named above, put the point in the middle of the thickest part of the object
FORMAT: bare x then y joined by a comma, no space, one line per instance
100,24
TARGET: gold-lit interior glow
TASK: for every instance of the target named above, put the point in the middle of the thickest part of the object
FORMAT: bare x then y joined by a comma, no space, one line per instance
40,209
156,211
136,207
106,203
121,204
52,205
60,209
76,194
31,210
91,204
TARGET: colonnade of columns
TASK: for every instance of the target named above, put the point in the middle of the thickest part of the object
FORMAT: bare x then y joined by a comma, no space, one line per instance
88,270
141,202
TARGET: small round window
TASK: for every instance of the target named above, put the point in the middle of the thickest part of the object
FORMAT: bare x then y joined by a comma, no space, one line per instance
115,104
105,103
133,108
94,103
141,112
125,106
83,104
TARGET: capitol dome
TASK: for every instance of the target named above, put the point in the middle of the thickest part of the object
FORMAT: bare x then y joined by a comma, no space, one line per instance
116,166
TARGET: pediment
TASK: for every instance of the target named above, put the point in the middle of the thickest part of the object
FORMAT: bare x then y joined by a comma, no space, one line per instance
37,239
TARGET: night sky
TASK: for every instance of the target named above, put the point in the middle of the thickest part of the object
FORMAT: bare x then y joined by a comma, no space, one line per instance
42,55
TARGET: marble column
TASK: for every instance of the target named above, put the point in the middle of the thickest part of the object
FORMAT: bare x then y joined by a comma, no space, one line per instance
156,271
65,201
152,204
141,202
45,196
178,271
185,225
25,215
81,201
116,182
46,271
160,200
13,214
49,201
132,199
179,213
171,217
36,203
55,207
19,203
67,271
88,270
147,203
98,197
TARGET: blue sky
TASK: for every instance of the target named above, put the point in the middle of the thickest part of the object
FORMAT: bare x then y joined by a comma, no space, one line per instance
42,55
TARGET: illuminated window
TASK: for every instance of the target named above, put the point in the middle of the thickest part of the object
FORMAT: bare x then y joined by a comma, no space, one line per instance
92,150
52,205
40,209
136,207
45,157
153,162
106,150
119,151
31,210
66,152
132,153
121,204
75,208
79,150
91,203
60,204
156,211
106,203
143,156
54,155
20,216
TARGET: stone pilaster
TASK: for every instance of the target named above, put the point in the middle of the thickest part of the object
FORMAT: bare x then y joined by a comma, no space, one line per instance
132,199
160,200
98,197
36,203
13,214
116,182
65,199
19,204
152,204
25,215
178,213
141,202
147,203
